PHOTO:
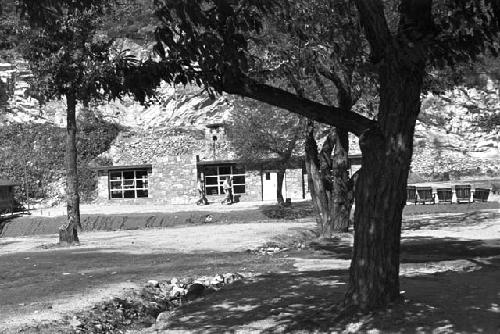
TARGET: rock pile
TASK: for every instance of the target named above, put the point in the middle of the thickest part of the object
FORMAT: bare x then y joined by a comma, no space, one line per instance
152,306
273,248
134,146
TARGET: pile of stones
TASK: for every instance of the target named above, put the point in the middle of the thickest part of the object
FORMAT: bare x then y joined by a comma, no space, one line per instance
152,307
273,248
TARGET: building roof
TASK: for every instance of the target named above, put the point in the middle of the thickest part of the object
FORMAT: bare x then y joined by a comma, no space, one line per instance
106,168
4,183
268,160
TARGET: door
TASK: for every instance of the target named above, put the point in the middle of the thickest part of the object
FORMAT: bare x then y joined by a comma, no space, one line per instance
269,185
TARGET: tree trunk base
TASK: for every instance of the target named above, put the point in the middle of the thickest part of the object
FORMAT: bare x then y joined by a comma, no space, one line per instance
349,307
68,235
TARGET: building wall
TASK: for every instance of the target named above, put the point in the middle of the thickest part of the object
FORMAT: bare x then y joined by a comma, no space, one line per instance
173,180
253,186
102,185
294,183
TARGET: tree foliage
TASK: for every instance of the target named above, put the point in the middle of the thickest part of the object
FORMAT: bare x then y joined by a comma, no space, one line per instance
41,147
261,131
67,54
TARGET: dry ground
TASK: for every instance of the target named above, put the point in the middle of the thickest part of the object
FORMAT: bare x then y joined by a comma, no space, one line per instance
450,274
39,281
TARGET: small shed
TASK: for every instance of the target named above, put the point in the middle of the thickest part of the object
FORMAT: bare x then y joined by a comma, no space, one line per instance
7,195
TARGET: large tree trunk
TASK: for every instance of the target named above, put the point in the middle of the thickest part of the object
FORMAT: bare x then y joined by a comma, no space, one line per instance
381,191
68,232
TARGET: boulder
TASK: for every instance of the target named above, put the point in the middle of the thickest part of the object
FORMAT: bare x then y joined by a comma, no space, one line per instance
195,290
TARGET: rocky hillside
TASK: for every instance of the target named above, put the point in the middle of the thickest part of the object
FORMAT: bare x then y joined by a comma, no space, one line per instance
447,139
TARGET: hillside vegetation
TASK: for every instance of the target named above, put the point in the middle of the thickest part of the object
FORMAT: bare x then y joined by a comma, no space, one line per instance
33,153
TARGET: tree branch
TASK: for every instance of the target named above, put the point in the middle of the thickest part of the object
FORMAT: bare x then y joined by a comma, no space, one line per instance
373,20
247,87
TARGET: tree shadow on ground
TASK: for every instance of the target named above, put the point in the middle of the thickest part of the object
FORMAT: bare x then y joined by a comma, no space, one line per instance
467,219
420,249
306,301
425,249
270,302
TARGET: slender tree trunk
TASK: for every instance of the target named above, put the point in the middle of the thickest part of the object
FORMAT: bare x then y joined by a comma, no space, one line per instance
340,206
315,181
381,191
279,188
328,181
68,233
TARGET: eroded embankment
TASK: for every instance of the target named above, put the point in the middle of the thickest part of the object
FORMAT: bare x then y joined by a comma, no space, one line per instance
26,225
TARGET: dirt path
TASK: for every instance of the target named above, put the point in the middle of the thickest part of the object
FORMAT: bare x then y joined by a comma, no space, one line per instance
201,238
39,284
450,266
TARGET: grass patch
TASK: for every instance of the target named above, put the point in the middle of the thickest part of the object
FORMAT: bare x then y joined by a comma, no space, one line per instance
296,211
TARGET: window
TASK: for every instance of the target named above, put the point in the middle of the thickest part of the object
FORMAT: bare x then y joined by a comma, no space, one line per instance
128,184
215,176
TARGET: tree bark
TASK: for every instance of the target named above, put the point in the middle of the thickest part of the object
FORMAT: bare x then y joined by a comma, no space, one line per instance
340,183
381,191
279,188
315,181
337,165
68,233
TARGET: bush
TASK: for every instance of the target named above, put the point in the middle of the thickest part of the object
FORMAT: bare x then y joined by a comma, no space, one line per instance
288,213
35,153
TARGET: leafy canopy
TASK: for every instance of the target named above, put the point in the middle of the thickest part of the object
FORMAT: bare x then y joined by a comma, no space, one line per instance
68,51
260,131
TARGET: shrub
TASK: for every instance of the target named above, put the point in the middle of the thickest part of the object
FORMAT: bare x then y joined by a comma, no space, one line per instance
35,153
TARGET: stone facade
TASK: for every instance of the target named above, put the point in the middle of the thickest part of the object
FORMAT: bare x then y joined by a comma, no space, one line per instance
173,180
102,185
253,186
294,182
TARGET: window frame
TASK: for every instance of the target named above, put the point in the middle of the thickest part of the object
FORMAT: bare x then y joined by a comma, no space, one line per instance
128,185
219,179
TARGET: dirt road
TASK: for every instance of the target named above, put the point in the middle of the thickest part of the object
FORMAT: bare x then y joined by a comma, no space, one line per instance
40,282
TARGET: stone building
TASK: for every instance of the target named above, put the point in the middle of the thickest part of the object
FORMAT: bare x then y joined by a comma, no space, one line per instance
164,165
